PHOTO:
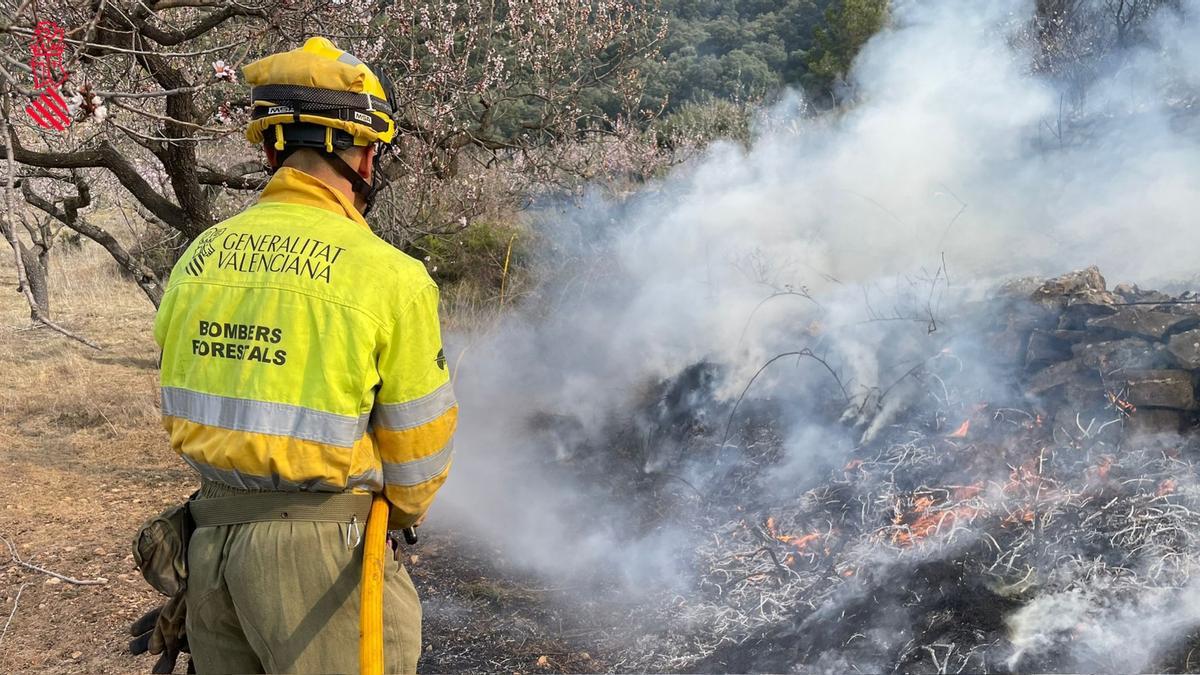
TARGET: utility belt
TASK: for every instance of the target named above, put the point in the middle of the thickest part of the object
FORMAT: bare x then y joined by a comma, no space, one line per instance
258,507
160,547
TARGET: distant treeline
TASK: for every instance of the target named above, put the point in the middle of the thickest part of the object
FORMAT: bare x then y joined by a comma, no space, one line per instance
743,50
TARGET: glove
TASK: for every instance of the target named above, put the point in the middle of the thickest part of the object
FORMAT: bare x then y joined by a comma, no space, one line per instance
161,631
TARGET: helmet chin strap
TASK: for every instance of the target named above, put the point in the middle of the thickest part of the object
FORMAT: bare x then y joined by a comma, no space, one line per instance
368,191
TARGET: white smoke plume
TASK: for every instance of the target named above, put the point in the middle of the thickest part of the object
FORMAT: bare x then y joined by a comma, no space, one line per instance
953,150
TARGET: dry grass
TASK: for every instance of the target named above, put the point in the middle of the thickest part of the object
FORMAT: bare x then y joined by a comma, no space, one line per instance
85,461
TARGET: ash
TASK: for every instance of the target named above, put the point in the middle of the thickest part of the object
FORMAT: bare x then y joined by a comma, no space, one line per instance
1023,498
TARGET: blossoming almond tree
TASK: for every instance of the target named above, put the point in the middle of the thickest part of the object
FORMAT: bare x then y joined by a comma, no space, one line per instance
483,86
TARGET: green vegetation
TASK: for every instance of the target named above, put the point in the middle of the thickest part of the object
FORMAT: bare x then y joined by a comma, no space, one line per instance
741,50
848,26
745,50
477,268
698,124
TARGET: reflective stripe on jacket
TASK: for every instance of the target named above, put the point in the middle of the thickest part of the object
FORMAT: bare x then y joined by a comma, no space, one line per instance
302,352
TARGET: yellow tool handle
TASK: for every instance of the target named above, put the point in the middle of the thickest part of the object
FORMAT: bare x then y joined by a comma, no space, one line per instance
370,620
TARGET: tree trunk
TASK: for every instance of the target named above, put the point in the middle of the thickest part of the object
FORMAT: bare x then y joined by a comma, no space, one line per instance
36,274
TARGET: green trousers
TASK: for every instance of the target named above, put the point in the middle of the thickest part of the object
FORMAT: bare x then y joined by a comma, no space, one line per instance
283,597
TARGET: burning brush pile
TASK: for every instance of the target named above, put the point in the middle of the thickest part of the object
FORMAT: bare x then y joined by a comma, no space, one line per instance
1047,521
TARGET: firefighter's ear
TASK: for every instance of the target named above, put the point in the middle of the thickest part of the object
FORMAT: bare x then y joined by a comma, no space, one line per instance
366,162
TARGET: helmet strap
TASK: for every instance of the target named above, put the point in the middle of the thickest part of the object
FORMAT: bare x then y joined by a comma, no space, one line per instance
368,191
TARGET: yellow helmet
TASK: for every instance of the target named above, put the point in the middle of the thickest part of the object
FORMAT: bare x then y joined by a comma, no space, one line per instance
318,84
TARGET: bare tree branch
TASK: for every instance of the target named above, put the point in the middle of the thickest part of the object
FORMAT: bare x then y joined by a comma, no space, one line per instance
69,215
10,235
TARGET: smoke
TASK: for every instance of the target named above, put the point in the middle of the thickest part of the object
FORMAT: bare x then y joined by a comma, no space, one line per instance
955,166
1101,634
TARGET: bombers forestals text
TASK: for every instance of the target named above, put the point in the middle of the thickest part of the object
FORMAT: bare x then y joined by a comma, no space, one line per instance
239,351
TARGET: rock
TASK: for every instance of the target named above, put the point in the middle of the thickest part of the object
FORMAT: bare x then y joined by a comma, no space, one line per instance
76,654
1185,347
1045,349
1075,316
1187,302
1075,421
1086,285
1129,353
1134,321
1089,397
1020,287
1131,293
1071,336
1059,374
1153,421
1189,313
1005,348
1024,316
1160,389
53,581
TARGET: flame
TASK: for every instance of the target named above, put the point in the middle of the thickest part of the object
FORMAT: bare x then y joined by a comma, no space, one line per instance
1120,402
1166,487
800,543
923,520
961,431
852,465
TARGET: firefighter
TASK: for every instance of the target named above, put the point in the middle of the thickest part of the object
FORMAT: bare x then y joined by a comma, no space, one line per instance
302,373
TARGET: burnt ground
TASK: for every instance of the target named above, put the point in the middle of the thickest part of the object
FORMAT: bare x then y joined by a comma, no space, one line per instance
85,461
479,619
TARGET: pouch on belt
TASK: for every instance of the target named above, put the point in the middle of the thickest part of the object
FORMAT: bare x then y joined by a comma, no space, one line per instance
160,549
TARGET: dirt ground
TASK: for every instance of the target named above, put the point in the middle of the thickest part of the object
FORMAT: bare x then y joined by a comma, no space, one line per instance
85,462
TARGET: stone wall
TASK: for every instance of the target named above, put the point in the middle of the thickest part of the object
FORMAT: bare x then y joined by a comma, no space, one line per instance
1088,356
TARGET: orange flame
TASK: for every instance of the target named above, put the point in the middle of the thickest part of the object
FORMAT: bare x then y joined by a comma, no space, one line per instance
1120,402
923,521
800,543
961,431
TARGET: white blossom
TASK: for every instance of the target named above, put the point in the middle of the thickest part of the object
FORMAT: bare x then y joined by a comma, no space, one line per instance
221,71
74,104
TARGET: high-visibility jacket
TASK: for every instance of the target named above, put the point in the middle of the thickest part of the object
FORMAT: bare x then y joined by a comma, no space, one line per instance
302,352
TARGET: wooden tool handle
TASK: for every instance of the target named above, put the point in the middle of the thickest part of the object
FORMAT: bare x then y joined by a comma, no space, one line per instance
370,622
